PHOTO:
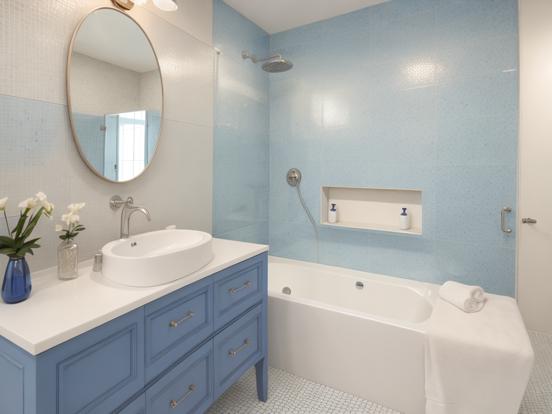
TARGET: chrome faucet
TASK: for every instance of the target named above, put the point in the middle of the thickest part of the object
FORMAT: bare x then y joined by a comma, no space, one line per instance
125,232
128,210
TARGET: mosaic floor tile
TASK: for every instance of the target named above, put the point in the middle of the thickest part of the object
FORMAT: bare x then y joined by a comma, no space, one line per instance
538,397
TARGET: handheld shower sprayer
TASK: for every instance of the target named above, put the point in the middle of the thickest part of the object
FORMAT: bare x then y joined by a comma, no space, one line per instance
293,178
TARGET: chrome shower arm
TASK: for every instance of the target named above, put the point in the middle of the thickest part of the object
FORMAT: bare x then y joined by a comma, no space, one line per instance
255,59
276,56
272,64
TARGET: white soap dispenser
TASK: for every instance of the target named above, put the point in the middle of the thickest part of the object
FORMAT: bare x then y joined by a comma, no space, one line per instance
332,214
404,220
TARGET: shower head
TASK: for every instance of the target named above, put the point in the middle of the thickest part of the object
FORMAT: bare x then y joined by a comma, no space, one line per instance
277,64
272,64
294,177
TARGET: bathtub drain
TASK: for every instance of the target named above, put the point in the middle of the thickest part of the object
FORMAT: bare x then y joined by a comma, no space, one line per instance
359,285
286,291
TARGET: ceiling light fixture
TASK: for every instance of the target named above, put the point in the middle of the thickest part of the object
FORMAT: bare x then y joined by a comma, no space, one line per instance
165,5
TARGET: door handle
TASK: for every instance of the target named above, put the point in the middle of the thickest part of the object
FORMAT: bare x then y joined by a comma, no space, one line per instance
528,220
503,227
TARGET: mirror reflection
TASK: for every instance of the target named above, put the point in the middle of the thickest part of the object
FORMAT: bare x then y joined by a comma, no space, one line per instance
115,95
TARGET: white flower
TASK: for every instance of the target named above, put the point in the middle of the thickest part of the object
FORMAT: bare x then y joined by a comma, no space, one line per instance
66,218
44,203
40,196
49,211
76,207
48,207
70,218
3,202
29,203
59,227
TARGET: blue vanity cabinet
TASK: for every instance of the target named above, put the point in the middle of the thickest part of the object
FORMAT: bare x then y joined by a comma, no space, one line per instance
177,323
92,373
137,406
237,348
17,380
238,288
187,388
174,355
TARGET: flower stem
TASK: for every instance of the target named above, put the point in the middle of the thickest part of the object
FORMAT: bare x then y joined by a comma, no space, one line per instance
7,224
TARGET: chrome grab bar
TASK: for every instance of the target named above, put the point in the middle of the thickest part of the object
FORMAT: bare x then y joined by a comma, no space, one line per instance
191,388
233,352
175,323
503,227
246,285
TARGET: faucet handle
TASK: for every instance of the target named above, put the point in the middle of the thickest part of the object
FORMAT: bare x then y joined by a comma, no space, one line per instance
117,202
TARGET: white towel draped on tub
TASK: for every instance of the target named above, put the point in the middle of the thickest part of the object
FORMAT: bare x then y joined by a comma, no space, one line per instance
464,297
477,363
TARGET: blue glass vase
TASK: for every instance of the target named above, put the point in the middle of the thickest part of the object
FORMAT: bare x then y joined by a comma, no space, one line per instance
17,281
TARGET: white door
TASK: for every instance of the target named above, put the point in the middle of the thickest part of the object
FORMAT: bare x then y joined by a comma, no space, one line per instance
535,165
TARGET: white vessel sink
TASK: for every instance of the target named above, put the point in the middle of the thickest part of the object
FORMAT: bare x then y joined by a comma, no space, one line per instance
156,258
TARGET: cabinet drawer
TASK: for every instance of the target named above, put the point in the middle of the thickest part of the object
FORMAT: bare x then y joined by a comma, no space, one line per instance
239,288
237,348
174,325
186,389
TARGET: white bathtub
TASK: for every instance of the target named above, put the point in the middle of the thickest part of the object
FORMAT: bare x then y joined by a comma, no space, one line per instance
368,342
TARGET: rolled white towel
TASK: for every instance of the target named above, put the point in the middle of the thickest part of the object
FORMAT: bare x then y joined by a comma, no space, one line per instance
467,298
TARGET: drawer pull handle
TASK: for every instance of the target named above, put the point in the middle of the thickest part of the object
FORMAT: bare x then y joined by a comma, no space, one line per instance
246,285
174,324
191,388
233,352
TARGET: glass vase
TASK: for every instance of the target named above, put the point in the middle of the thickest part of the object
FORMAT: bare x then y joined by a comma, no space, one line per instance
68,260
16,286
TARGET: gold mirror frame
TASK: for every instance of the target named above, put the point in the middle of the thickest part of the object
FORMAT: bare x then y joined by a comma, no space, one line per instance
69,106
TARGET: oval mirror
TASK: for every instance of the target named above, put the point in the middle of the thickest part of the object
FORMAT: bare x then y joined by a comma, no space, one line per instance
115,95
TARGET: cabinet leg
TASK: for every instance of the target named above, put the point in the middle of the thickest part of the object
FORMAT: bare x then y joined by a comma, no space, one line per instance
261,369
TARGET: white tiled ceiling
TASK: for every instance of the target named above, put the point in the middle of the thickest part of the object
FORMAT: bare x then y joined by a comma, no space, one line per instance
278,15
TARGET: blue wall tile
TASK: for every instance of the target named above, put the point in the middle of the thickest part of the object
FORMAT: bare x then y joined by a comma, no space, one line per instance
407,94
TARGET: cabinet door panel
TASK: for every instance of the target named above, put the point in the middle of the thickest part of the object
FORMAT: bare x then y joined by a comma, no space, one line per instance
95,372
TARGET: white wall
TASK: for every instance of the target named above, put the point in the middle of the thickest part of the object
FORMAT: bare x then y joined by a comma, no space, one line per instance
535,162
100,88
38,153
149,91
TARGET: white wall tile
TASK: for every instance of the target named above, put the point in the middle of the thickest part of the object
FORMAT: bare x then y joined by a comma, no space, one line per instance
187,66
38,152
34,43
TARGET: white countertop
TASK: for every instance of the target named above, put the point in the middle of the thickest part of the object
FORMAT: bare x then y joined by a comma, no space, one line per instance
60,310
